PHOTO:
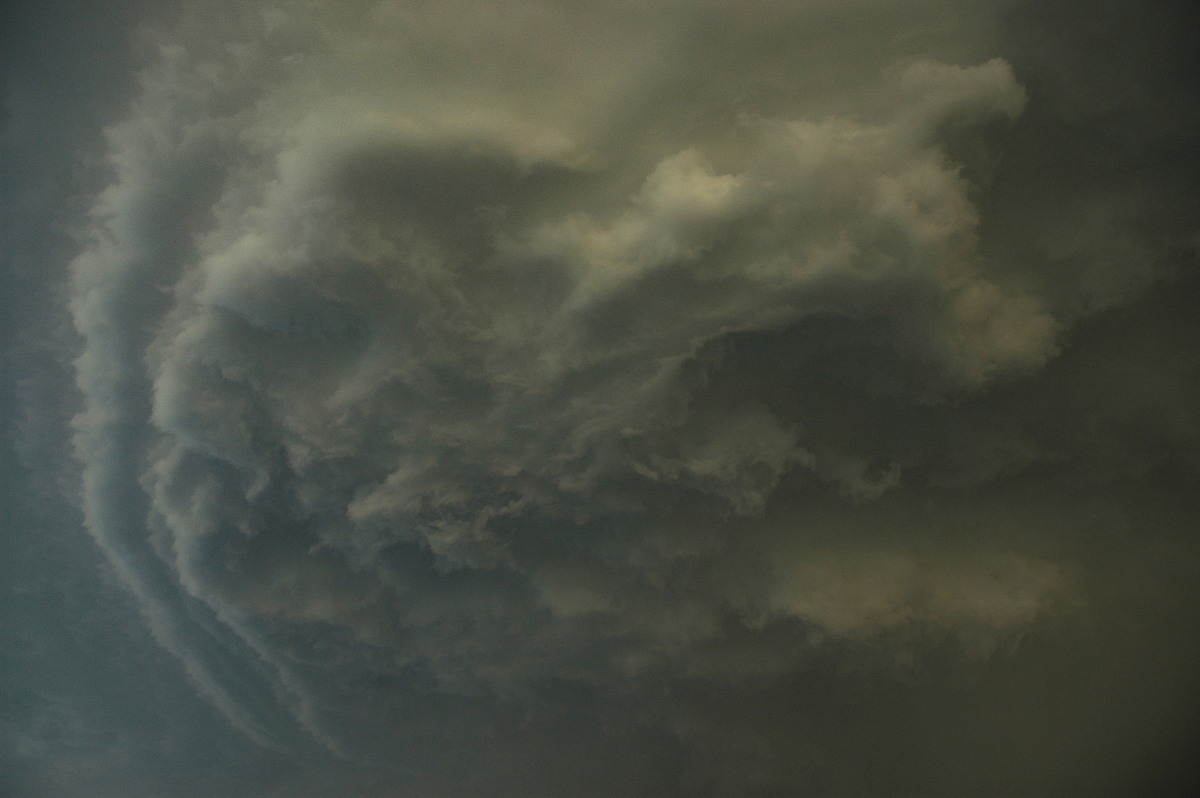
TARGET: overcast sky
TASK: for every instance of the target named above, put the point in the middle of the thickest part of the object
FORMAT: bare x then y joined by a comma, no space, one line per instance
535,398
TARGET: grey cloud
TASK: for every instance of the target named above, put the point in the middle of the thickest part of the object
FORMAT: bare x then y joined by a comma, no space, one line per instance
606,401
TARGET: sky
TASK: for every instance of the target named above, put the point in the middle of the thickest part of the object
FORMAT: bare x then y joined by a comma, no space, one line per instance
531,398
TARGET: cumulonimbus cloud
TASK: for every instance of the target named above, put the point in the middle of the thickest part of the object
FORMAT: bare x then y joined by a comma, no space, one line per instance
401,358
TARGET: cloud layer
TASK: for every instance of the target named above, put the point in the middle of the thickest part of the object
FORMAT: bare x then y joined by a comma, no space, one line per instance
469,390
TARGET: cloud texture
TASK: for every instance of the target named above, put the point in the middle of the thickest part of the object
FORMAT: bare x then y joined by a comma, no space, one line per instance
522,397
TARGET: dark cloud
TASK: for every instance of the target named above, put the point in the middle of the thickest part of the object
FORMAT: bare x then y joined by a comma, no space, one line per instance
674,400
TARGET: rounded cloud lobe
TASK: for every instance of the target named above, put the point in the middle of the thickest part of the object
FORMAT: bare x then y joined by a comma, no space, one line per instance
439,401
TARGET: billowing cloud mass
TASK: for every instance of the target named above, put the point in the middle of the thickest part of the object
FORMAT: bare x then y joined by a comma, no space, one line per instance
646,399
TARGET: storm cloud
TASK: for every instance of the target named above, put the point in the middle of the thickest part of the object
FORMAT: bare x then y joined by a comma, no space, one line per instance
679,399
